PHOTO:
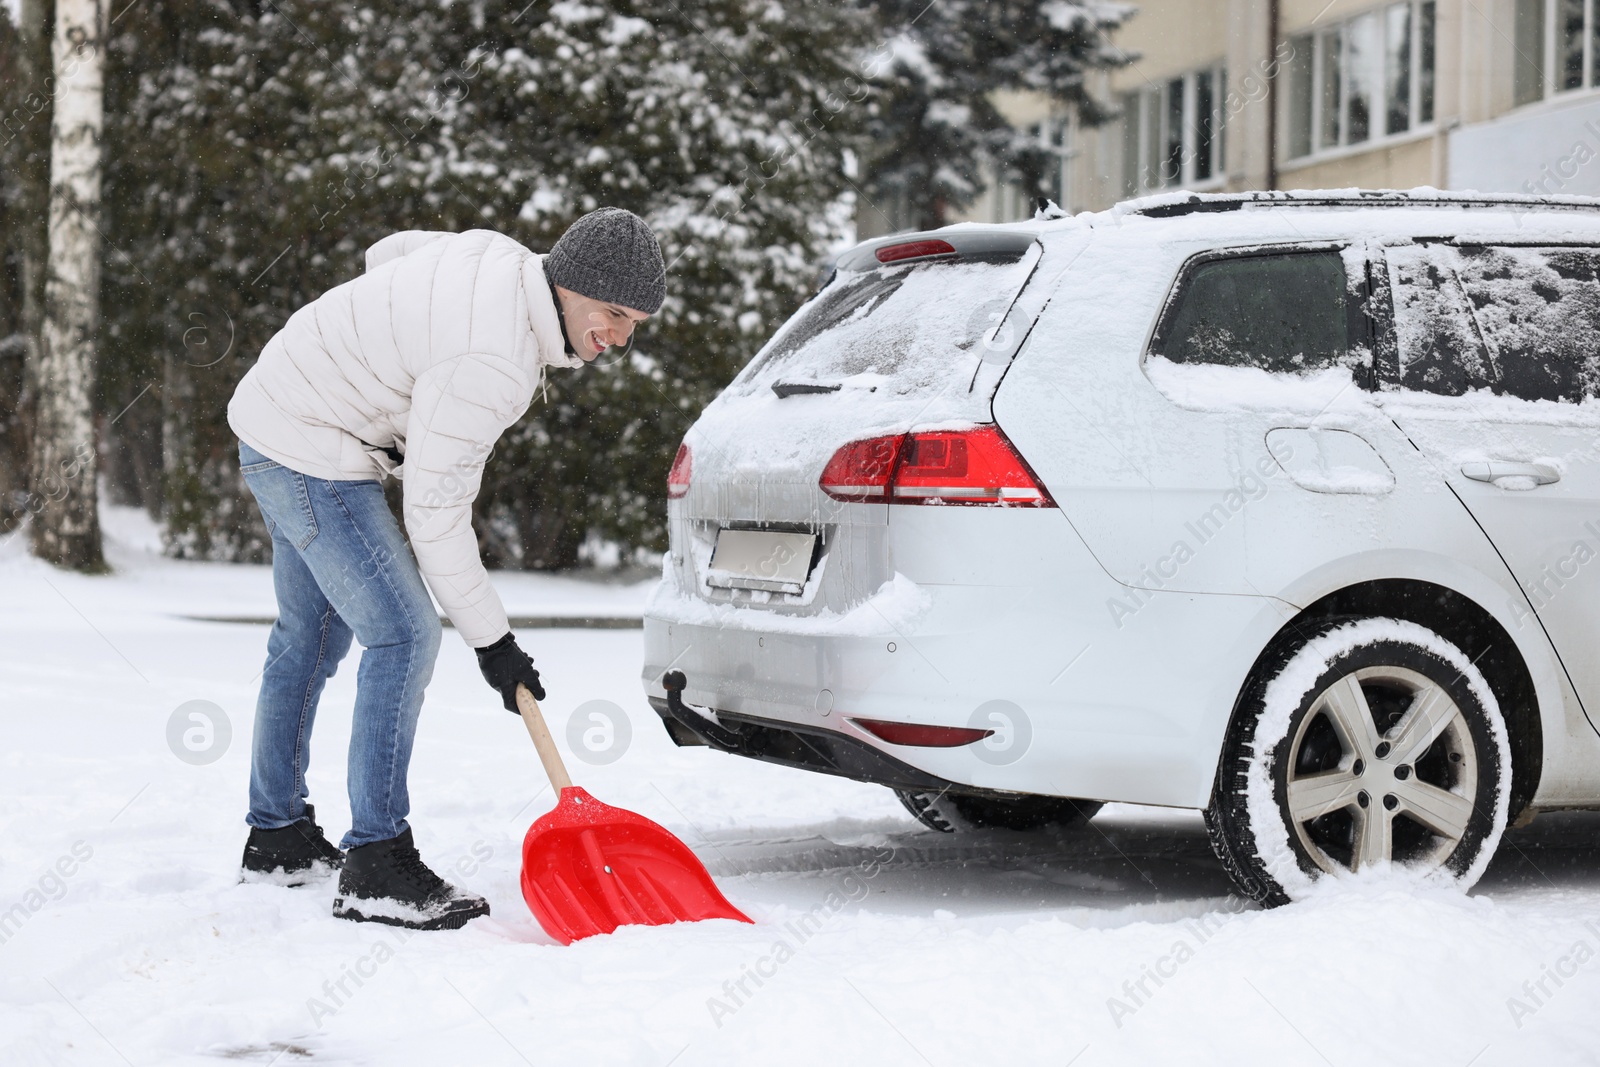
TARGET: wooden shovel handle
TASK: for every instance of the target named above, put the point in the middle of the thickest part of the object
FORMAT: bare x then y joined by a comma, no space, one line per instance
531,717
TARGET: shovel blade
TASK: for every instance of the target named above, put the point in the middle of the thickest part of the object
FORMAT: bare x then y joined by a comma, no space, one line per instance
588,868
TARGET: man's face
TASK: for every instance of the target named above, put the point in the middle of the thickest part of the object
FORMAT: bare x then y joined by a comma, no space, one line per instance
594,325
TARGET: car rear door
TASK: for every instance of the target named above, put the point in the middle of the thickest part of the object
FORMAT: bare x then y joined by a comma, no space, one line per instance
1211,428
1492,371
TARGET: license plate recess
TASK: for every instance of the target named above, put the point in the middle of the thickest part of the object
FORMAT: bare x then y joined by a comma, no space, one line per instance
769,560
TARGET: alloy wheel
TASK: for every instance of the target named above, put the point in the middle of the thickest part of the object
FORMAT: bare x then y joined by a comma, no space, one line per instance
1383,768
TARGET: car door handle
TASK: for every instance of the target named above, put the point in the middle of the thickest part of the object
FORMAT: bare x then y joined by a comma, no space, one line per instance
1496,469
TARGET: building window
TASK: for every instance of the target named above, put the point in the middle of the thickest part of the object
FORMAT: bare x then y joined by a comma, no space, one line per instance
1172,132
1556,48
1361,80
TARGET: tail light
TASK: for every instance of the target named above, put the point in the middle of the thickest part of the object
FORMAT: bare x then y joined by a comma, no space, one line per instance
910,733
862,470
678,477
976,466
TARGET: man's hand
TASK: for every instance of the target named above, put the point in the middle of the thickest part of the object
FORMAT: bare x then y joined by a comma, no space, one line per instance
504,665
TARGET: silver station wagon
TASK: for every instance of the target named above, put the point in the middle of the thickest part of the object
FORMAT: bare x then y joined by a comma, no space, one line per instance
1280,506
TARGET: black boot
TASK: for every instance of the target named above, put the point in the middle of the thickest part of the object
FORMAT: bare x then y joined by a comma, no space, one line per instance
387,882
293,855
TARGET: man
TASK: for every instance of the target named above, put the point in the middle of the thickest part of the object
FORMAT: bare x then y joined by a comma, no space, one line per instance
415,368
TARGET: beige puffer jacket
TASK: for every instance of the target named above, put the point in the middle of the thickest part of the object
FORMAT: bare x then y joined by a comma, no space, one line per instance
435,351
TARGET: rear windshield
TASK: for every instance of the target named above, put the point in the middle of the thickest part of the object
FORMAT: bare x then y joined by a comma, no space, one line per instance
913,329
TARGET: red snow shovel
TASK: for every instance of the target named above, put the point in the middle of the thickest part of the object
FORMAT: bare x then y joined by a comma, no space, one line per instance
588,868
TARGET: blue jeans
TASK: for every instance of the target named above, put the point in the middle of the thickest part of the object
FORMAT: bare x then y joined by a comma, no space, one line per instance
340,569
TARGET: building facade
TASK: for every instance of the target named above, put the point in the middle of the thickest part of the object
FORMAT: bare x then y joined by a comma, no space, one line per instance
1500,96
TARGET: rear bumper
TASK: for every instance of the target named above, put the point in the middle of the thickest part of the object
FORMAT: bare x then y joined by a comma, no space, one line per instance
806,748
1090,709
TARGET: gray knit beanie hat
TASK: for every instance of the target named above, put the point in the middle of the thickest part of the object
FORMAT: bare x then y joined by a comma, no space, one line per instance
610,255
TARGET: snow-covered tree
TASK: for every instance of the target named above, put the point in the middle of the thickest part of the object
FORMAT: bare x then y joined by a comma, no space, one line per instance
25,109
258,149
13,342
725,125
66,525
941,64
240,134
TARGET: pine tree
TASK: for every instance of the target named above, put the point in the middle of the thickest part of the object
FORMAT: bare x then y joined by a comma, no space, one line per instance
258,150
727,130
256,147
25,179
232,121
941,66
13,344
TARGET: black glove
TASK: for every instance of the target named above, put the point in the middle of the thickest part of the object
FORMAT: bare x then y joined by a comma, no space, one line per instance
504,665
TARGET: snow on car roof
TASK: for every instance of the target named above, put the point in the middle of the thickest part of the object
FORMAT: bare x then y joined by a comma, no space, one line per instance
1349,214
1181,202
1363,212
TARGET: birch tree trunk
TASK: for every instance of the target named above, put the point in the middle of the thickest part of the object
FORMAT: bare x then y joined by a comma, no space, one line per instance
66,528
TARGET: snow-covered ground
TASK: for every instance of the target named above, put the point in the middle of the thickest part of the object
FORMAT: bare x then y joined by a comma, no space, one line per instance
125,937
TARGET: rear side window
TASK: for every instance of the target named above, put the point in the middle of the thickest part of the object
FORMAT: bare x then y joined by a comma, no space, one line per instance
1281,312
911,329
1523,322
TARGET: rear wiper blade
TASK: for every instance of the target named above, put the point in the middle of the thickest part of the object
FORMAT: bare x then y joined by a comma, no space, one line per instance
788,389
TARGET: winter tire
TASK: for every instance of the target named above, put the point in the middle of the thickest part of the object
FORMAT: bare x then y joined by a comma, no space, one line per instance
949,812
1357,745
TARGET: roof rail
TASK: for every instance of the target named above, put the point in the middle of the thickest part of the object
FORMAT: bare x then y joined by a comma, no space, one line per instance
1171,205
